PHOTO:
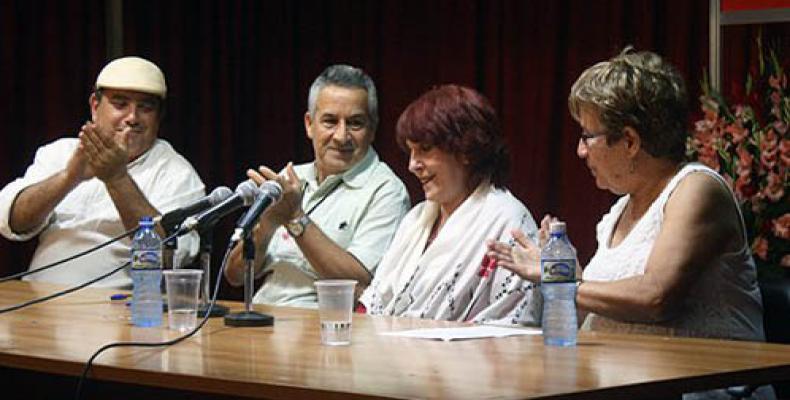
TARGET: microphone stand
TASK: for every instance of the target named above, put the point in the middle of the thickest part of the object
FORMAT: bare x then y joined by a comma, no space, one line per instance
248,317
168,262
204,258
168,253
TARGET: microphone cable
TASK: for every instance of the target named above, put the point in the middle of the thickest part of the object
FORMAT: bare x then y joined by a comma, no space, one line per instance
89,363
62,292
78,255
88,251
74,288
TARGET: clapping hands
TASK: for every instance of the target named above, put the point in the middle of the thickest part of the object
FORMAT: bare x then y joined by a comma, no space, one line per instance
290,204
101,154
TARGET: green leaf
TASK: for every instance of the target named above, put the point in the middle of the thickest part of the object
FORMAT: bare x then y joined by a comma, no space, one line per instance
749,84
777,66
758,212
760,58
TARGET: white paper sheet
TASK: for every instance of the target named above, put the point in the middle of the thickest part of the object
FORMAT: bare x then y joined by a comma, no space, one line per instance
464,333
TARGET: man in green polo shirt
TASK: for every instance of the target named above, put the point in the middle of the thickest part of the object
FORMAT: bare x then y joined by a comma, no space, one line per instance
338,213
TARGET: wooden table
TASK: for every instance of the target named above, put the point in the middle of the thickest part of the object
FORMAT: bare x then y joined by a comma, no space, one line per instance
287,360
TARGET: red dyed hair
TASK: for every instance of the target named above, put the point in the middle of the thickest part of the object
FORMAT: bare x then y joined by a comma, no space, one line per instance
460,121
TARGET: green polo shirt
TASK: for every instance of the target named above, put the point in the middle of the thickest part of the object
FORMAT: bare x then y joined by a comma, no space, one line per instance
359,210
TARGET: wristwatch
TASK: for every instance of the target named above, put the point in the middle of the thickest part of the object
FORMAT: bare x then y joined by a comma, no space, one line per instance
296,227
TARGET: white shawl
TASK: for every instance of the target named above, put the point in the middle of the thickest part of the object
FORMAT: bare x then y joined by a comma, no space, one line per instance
452,279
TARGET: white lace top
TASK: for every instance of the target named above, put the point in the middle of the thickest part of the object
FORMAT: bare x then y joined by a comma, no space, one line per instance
724,303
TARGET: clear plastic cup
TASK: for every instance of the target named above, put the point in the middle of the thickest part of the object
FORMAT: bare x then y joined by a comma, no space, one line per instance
183,286
335,305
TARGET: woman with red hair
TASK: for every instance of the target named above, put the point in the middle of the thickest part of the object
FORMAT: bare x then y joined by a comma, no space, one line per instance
436,265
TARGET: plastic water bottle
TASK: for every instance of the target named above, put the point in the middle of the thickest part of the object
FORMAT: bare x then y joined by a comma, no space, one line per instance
558,285
146,274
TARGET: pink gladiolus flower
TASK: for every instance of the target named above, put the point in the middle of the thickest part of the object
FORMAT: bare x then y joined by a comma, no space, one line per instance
748,145
769,149
760,247
777,82
770,140
780,127
773,81
784,151
745,160
744,189
774,190
768,159
709,157
775,98
703,127
737,131
710,108
781,227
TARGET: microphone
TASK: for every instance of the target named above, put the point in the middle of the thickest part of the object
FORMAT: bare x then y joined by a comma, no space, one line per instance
244,195
171,220
269,192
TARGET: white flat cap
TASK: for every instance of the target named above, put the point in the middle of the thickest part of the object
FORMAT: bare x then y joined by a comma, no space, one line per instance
133,73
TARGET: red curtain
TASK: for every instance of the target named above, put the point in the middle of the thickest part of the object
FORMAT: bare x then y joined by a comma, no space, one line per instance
238,74
50,54
240,71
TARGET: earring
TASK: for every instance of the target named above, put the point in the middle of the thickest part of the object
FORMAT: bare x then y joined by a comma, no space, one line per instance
632,167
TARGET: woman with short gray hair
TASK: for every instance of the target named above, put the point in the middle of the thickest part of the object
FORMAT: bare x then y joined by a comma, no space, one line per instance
672,255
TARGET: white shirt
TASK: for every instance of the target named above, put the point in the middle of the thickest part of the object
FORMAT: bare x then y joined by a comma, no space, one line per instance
453,279
724,303
359,210
87,216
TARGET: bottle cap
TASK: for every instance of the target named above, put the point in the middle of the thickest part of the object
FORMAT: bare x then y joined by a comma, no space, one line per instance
557,227
146,220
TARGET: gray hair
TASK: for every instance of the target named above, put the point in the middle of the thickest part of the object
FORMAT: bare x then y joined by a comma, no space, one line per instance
349,77
640,90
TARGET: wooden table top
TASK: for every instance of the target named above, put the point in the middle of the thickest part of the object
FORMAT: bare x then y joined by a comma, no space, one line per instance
288,361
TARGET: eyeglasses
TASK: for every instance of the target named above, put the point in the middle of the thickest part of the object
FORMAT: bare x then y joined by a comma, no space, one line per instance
585,137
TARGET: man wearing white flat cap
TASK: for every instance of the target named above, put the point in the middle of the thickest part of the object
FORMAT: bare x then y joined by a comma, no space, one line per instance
80,192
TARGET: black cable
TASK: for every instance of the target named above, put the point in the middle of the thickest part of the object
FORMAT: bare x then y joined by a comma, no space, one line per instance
78,255
71,289
62,292
171,342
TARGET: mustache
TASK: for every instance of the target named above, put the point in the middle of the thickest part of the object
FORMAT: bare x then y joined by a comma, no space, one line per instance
348,147
131,129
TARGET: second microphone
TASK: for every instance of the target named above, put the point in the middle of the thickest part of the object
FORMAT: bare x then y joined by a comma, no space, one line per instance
268,194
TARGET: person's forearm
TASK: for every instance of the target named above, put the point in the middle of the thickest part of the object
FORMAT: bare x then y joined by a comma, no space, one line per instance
34,203
635,299
130,202
262,235
329,260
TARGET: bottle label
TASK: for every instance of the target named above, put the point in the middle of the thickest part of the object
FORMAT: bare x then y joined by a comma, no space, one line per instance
145,260
558,270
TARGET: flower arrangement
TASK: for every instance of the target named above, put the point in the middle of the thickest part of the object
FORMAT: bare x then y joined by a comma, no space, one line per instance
748,145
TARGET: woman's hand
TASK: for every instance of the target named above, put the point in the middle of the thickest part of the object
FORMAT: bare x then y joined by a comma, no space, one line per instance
522,257
543,233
